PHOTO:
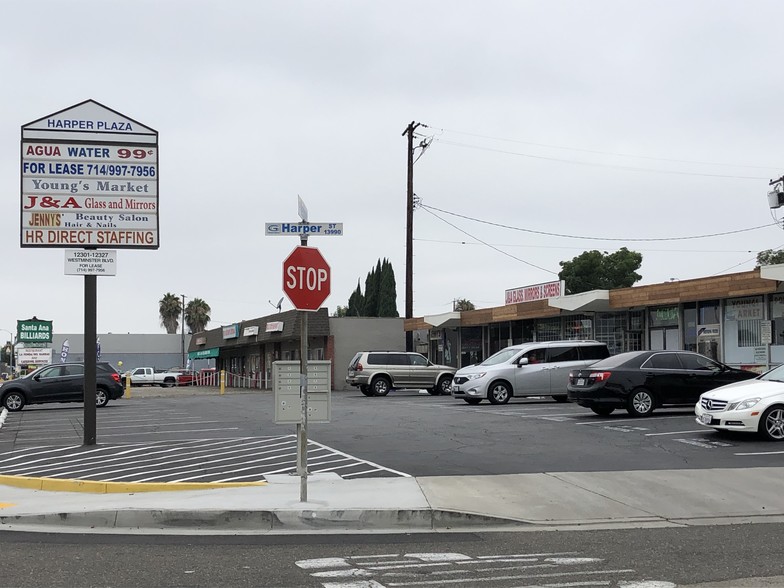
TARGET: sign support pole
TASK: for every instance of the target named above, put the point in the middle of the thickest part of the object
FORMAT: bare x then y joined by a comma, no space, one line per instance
302,427
90,361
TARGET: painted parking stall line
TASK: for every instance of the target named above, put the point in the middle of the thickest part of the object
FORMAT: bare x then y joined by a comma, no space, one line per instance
193,460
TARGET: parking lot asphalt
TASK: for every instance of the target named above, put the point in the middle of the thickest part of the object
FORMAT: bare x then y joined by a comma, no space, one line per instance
347,493
386,500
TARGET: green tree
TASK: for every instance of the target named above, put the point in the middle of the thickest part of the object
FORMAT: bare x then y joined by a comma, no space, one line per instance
380,297
356,303
770,257
170,309
340,311
593,270
462,304
372,290
197,315
387,291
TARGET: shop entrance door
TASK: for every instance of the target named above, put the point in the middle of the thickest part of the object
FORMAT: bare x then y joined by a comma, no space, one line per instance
665,338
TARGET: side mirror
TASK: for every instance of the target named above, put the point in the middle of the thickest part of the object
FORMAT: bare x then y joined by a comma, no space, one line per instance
523,361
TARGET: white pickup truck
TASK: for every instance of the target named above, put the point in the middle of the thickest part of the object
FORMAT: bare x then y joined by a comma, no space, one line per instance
147,376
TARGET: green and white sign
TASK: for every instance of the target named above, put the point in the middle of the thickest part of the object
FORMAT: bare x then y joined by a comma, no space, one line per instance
34,331
203,353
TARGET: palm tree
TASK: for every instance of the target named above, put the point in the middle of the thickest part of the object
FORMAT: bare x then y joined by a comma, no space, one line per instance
170,309
197,315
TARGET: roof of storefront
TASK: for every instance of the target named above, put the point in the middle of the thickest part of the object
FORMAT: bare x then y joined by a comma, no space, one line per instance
318,326
763,280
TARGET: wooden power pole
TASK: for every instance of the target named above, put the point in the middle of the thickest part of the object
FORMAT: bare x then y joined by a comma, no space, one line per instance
410,232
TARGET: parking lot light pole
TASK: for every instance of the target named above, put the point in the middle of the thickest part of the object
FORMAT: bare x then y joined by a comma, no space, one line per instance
182,330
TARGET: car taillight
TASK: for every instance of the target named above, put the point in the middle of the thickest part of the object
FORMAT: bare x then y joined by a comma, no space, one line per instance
600,376
116,378
358,367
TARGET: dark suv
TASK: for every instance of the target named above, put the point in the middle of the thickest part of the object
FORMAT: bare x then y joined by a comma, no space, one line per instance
61,382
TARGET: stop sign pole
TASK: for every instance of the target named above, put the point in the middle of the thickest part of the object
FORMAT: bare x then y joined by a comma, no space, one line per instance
306,282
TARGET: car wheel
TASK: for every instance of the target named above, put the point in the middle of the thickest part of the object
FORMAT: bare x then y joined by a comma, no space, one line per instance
380,386
472,400
366,390
101,398
771,425
444,385
499,393
640,403
602,410
561,398
14,401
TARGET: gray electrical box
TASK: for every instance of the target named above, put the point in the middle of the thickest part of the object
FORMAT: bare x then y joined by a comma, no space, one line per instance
286,384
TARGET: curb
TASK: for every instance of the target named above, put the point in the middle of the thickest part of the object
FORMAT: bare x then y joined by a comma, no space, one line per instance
261,521
96,487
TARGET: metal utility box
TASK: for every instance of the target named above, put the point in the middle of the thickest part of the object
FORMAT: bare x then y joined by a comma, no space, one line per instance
286,384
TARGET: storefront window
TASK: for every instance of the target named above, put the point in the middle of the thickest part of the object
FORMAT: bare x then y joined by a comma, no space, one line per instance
470,346
777,318
709,312
579,326
742,331
548,329
744,316
609,330
690,327
665,316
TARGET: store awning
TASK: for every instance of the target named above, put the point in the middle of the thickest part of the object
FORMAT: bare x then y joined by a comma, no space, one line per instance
772,272
444,320
595,300
203,353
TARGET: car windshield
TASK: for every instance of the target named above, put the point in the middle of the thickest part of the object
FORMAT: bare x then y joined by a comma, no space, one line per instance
501,357
774,375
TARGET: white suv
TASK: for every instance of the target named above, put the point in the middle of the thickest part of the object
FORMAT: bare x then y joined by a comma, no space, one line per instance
529,369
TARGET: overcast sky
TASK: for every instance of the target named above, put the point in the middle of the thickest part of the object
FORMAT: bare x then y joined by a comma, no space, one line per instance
605,121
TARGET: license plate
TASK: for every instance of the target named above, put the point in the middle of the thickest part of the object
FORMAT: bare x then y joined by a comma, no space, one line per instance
455,388
581,381
351,374
706,419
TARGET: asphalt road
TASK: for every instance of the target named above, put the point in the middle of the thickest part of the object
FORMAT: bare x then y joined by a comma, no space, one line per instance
208,437
632,558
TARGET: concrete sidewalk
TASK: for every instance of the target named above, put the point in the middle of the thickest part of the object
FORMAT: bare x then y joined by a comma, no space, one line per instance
549,501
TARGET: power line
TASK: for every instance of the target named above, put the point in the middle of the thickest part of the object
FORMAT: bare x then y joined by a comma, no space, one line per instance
549,234
595,151
487,244
607,165
537,246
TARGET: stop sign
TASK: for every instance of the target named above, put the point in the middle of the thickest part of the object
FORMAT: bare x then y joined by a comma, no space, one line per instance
306,278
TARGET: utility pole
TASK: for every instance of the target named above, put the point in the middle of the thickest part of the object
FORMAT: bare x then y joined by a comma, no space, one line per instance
182,331
410,232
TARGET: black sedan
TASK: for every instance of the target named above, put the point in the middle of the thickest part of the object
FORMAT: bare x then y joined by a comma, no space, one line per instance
641,381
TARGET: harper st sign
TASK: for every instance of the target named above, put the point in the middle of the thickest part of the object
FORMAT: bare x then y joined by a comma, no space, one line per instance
303,229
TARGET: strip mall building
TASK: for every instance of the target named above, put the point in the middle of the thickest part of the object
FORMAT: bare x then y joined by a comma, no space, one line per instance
735,318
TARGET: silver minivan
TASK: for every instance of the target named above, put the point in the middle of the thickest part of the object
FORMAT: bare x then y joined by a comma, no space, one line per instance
528,369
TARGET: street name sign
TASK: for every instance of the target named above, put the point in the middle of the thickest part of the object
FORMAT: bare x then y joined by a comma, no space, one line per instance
303,229
89,179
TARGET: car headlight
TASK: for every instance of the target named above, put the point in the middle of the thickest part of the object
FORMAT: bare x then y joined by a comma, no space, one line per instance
475,376
743,404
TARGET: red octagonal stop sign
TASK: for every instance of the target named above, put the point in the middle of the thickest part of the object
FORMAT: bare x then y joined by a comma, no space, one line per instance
306,278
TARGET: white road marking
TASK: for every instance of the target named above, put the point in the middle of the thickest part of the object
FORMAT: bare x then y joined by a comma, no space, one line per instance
677,433
704,444
762,453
